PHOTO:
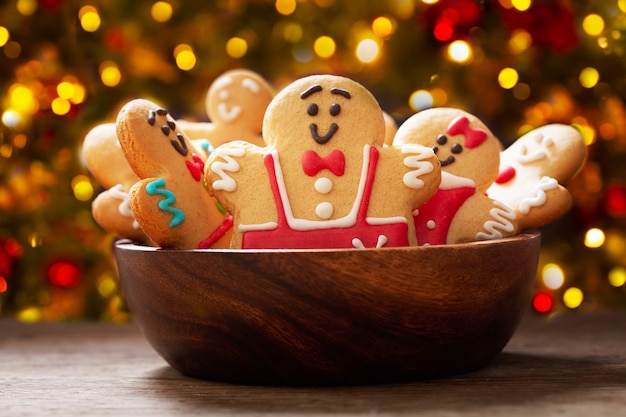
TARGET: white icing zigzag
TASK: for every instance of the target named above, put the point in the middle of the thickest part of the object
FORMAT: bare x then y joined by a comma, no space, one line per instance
225,182
539,197
411,178
503,217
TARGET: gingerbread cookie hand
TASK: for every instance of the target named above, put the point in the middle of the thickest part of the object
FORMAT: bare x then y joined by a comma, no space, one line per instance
469,156
235,104
106,162
170,201
533,170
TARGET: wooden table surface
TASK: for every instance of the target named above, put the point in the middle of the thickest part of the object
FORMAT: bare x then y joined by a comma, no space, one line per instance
570,365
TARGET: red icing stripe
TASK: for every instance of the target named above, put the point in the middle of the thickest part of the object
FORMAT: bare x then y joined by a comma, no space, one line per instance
217,234
505,175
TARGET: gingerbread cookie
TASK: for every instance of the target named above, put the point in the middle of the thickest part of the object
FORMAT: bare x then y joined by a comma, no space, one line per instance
469,157
532,171
324,180
235,104
169,201
106,162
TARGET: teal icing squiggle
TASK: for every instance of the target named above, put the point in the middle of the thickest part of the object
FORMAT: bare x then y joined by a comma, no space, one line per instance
156,187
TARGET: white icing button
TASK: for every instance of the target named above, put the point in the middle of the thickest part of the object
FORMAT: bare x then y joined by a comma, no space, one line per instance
323,185
324,210
431,224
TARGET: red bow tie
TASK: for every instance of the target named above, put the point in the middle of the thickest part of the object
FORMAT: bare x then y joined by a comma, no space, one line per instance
312,163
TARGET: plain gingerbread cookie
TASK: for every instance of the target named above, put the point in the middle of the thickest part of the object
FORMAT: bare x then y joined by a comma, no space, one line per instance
169,201
469,156
235,104
324,180
532,171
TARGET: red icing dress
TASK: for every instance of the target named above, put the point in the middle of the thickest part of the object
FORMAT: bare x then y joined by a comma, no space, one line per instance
434,217
358,232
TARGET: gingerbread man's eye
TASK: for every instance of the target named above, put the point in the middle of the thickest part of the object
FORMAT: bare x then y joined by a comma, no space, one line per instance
312,109
456,148
442,139
335,109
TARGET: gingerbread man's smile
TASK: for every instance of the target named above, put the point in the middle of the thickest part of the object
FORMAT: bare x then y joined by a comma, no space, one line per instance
313,110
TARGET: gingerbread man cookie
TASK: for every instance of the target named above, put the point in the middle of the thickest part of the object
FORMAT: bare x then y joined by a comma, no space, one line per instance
469,156
169,201
235,104
324,180
532,171
106,162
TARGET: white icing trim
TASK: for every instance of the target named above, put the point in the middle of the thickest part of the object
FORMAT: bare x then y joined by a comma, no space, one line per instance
260,226
451,181
304,224
380,242
503,217
539,197
386,220
524,158
124,208
411,178
225,182
223,81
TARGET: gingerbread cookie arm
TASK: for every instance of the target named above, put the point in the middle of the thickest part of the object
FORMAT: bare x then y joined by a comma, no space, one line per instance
111,210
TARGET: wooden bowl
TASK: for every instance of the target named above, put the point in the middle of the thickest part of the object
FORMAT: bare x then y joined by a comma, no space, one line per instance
322,317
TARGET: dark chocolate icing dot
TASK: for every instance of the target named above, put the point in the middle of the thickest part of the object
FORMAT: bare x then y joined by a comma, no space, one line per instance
442,139
166,130
335,109
161,112
312,109
151,117
457,148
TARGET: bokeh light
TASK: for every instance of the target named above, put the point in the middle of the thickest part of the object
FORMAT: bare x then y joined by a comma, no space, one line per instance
594,238
236,47
26,7
82,188
421,100
110,74
543,302
4,36
508,78
285,7
460,52
521,5
383,27
186,59
63,273
617,276
89,18
367,51
553,276
324,46
573,297
593,24
589,77
161,11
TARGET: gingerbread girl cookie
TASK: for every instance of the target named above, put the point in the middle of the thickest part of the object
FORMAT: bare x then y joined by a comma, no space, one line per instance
532,171
324,180
235,104
469,156
106,162
169,201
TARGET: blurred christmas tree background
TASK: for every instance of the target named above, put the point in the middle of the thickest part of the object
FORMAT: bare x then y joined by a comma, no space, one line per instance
67,65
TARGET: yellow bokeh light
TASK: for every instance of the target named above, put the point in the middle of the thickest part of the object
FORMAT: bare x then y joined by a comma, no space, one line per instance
79,94
23,100
20,140
429,1
285,7
89,19
520,41
161,11
65,89
573,297
292,32
60,106
460,51
236,47
29,315
26,7
589,77
383,27
622,5
186,60
440,96
4,36
594,238
82,188
521,5
421,100
367,51
107,286
507,78
324,46
593,24
110,74
617,276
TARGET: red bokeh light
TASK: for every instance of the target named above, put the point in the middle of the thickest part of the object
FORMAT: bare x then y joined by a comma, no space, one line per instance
63,273
543,302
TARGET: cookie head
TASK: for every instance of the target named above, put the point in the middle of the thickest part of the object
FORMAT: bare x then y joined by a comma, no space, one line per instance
463,144
153,143
239,97
323,111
